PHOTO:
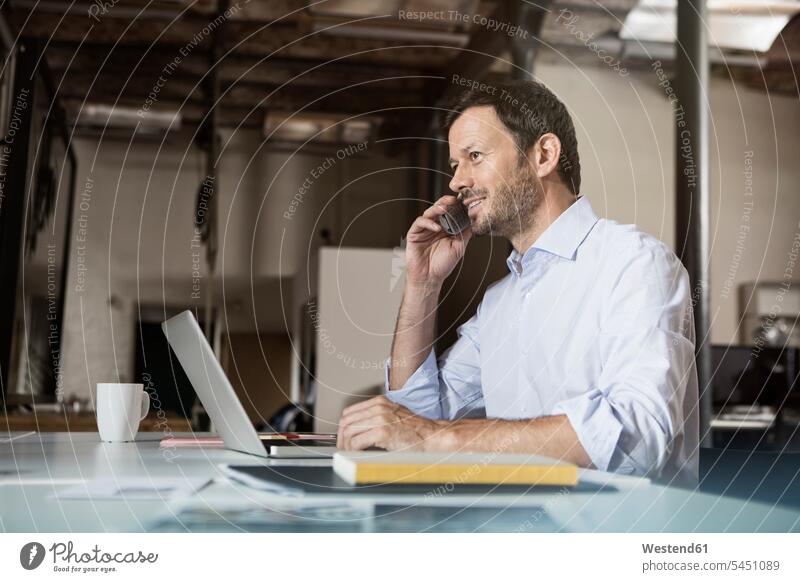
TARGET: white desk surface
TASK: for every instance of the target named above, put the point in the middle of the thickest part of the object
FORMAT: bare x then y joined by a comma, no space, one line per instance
34,468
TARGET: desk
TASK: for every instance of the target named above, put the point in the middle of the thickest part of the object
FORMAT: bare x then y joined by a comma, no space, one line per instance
84,422
35,467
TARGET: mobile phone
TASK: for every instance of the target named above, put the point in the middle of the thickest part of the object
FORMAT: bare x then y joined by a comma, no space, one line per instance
455,219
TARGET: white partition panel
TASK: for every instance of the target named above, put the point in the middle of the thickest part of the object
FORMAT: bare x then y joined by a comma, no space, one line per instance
359,294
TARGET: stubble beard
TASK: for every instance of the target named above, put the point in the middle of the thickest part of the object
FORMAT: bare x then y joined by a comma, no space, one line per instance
510,210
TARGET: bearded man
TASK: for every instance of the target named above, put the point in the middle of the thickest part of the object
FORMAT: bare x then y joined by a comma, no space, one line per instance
584,352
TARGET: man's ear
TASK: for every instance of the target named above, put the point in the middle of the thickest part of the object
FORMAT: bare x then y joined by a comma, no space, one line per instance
544,154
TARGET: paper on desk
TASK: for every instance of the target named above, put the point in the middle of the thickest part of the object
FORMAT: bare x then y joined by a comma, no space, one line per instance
134,488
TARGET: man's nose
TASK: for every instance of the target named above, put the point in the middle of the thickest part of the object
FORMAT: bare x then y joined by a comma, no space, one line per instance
461,179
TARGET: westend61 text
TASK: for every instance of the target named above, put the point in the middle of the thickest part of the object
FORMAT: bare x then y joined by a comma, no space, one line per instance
672,549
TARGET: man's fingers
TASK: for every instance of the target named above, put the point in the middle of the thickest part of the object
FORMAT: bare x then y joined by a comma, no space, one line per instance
363,405
432,211
422,224
435,210
369,417
367,439
349,432
370,423
352,431
340,436
362,417
429,221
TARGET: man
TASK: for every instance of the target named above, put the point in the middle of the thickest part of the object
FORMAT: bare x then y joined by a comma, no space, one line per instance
583,352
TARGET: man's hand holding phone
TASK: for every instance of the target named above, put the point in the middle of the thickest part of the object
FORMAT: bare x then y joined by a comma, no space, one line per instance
432,253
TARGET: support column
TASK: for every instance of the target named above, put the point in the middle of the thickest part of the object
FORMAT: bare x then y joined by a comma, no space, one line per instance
692,219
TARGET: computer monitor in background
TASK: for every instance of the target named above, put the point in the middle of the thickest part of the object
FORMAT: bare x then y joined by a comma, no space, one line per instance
744,375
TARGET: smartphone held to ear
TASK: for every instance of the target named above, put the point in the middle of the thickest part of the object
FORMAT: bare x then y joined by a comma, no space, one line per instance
456,219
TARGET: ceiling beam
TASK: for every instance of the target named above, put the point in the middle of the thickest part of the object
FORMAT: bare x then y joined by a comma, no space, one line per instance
349,100
253,39
274,70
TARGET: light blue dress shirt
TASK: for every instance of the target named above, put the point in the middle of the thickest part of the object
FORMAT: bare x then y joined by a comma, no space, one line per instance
595,322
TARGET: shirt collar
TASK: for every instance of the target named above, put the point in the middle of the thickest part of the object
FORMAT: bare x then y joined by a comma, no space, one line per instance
562,237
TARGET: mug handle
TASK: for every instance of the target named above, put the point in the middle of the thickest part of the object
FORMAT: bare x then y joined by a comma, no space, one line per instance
145,404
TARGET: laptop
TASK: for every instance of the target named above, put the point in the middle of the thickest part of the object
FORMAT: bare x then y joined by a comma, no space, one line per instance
223,406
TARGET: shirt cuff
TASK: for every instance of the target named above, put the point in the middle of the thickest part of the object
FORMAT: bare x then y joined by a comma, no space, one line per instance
598,428
420,393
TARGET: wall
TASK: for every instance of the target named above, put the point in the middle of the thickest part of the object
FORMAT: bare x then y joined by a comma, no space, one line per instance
258,367
134,245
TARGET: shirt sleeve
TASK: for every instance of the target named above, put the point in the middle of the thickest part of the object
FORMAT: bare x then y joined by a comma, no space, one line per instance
449,388
631,419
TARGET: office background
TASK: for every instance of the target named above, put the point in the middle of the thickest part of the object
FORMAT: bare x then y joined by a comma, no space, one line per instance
322,121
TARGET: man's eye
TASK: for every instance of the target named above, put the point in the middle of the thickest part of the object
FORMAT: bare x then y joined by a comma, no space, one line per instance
474,155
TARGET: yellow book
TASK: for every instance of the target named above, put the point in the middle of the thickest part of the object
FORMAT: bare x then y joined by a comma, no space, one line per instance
371,467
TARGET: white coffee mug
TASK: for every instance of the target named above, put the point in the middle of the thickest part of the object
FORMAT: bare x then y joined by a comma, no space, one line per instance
120,409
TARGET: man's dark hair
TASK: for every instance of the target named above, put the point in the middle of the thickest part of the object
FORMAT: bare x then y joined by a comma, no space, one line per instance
529,110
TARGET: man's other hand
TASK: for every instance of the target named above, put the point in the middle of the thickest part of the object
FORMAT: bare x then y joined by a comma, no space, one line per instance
378,422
